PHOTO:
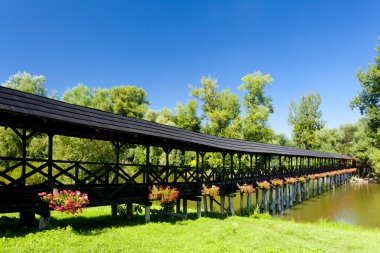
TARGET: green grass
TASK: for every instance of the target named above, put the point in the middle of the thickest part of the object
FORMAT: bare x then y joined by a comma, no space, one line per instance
97,231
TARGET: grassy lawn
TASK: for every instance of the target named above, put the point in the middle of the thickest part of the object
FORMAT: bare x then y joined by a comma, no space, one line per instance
97,231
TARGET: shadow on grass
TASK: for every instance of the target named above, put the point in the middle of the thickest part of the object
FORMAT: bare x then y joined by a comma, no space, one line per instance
11,227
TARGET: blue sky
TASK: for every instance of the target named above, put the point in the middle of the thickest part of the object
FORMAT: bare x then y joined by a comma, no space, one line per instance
163,46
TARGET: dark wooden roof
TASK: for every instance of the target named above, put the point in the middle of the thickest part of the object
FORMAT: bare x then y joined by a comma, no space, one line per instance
22,110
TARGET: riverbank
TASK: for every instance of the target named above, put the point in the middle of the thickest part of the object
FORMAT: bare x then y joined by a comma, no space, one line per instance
360,180
97,231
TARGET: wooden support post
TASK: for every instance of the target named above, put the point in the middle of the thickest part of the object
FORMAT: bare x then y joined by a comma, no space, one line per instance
231,203
23,172
231,170
146,178
117,146
184,207
198,179
222,200
114,210
211,205
147,213
50,158
257,197
27,217
199,205
319,185
241,203
251,167
178,206
167,153
308,189
129,210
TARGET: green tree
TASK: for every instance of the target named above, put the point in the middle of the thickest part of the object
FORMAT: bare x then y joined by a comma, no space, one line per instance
186,116
129,101
10,143
124,100
368,99
258,107
305,119
79,95
220,110
26,82
282,140
165,117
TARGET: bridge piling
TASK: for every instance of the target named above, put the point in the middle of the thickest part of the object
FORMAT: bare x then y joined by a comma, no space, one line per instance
231,203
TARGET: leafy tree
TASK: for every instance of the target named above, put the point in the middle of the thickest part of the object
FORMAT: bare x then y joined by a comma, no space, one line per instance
368,99
258,107
25,82
79,95
219,109
124,100
282,140
129,101
186,116
306,120
10,143
165,117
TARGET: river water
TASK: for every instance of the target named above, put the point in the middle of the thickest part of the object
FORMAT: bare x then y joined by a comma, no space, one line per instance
357,204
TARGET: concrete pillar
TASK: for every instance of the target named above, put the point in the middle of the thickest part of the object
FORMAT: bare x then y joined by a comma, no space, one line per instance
199,205
44,223
205,204
147,213
231,204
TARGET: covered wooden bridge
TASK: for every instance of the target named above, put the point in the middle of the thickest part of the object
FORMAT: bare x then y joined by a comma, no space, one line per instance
114,182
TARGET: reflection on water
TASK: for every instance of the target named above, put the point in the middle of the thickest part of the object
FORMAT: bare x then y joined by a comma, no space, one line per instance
353,204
